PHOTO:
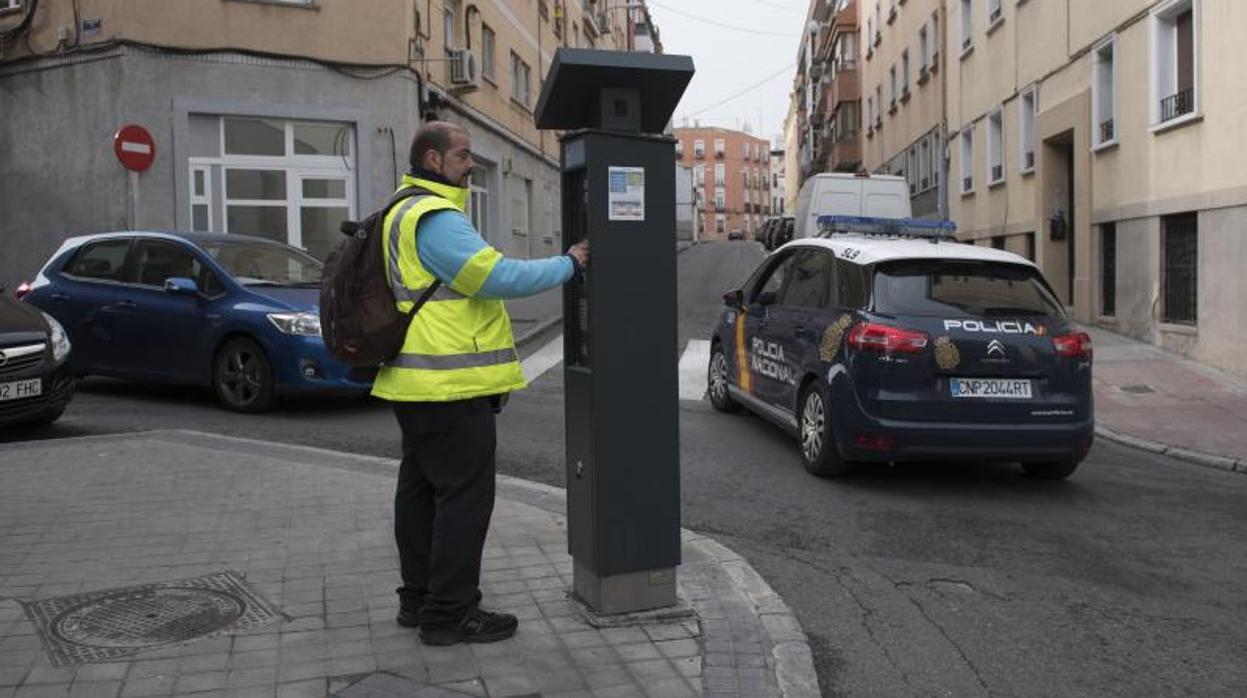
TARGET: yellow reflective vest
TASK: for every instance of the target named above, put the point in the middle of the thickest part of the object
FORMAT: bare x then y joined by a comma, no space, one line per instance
458,347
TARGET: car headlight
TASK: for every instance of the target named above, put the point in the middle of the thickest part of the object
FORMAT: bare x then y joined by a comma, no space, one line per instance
60,340
305,324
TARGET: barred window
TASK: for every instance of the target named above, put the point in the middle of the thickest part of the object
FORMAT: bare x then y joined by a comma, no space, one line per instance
1181,272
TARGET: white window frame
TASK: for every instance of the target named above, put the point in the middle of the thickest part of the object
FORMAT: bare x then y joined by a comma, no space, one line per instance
1028,107
967,27
699,148
521,80
720,148
924,164
995,8
745,148
870,113
1103,107
967,160
904,73
923,47
1163,78
720,223
489,52
194,199
892,88
720,174
911,170
996,147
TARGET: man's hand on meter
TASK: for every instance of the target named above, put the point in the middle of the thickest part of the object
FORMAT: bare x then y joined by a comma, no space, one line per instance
580,251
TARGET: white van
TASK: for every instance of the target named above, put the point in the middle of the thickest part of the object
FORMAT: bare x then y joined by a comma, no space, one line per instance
842,194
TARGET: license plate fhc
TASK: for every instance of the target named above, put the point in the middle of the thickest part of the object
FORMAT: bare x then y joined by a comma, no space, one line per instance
1000,388
21,389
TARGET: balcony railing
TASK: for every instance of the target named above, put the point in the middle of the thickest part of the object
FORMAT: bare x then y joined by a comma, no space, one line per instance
1106,131
1178,104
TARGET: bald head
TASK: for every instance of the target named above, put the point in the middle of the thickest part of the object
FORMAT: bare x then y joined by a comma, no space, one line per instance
436,137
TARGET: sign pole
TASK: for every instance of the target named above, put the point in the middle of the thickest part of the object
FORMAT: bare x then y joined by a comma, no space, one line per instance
134,199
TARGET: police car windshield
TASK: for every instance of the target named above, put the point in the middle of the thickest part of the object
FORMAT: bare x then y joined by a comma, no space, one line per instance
265,264
951,288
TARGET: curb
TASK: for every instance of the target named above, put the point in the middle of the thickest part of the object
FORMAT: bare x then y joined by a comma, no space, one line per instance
1207,460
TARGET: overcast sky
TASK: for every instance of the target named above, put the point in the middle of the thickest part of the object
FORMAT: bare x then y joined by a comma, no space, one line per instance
729,60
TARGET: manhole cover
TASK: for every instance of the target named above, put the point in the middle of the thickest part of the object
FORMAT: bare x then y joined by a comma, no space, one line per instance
1137,389
104,625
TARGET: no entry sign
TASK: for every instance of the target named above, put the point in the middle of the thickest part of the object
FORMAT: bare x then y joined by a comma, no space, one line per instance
134,147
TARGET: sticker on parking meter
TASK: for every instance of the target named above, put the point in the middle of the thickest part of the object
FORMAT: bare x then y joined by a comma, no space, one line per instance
626,198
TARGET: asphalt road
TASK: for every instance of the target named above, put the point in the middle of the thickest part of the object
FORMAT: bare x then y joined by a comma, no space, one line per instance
949,579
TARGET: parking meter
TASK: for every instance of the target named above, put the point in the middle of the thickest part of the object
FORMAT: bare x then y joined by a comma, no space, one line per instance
621,407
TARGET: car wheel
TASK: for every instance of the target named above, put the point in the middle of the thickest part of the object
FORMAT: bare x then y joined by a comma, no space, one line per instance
818,444
243,378
1056,470
716,383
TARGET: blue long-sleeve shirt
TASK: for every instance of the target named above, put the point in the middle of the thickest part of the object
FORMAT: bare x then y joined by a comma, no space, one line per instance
446,240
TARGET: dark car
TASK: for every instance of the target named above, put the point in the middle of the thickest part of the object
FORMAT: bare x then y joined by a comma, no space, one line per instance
36,382
766,234
237,313
880,348
736,234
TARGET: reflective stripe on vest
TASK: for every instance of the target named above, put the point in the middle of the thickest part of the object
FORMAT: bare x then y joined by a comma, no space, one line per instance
441,362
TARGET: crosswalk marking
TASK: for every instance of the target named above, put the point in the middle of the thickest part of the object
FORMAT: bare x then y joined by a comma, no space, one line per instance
693,369
546,358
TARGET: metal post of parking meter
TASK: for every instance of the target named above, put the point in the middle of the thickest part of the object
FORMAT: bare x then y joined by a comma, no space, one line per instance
621,410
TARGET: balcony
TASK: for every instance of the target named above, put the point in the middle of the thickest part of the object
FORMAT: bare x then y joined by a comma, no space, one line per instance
846,154
1177,105
845,88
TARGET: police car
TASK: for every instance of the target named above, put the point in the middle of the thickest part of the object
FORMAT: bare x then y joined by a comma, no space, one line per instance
883,340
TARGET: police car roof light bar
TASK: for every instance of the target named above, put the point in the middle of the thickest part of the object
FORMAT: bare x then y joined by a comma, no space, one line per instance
892,227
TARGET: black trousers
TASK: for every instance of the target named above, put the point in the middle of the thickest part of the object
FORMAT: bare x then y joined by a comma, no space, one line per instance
443,504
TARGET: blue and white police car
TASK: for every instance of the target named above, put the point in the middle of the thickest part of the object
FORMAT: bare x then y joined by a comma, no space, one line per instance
882,340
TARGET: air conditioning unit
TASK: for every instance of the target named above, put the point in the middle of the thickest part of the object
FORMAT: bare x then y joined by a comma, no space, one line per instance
462,68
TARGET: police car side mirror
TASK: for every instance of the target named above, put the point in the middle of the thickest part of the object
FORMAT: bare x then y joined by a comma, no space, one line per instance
734,299
766,298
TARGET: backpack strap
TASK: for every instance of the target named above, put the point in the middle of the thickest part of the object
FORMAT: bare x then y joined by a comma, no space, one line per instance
400,195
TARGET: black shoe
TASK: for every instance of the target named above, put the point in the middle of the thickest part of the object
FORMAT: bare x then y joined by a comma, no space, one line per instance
408,618
476,626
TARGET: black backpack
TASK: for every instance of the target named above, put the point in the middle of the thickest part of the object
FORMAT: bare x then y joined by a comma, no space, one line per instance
359,321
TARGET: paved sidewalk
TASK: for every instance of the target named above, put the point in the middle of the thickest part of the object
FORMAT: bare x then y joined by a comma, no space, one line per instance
1153,399
301,540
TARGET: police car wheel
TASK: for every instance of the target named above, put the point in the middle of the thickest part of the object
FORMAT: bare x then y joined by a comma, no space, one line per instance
818,445
717,384
1058,470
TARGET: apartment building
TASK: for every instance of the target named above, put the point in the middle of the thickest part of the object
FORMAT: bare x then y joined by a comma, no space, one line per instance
837,118
278,118
902,78
1105,141
779,203
732,176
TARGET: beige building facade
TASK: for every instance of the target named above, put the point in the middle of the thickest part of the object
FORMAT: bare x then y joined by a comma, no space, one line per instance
901,66
278,118
1104,140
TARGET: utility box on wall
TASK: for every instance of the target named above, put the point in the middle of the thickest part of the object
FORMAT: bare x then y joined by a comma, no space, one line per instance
621,409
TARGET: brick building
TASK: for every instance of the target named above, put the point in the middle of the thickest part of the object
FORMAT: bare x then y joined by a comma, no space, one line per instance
732,174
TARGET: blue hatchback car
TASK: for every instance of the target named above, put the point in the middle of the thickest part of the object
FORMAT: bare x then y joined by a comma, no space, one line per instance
237,313
884,347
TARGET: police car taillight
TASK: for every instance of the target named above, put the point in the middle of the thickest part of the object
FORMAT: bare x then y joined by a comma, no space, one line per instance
886,339
1076,345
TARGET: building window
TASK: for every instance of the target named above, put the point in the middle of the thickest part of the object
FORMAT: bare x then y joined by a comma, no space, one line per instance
699,148
996,147
520,77
744,177
745,150
201,198
720,224
870,114
923,48
995,14
1108,269
679,149
1175,61
967,160
924,164
719,147
720,198
720,176
878,106
488,41
1028,240
892,89
911,169
905,74
699,175
1026,131
288,181
1181,273
478,199
1104,93
967,26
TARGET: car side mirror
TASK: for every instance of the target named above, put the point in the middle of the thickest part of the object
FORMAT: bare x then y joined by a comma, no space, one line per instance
181,286
766,298
734,299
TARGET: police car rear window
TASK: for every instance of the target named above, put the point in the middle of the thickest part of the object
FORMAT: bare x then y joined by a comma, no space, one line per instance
958,288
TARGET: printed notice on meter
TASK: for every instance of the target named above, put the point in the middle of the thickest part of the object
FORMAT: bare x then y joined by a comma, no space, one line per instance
627,194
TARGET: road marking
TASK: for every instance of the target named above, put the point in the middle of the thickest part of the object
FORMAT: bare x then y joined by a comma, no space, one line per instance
544,359
694,367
